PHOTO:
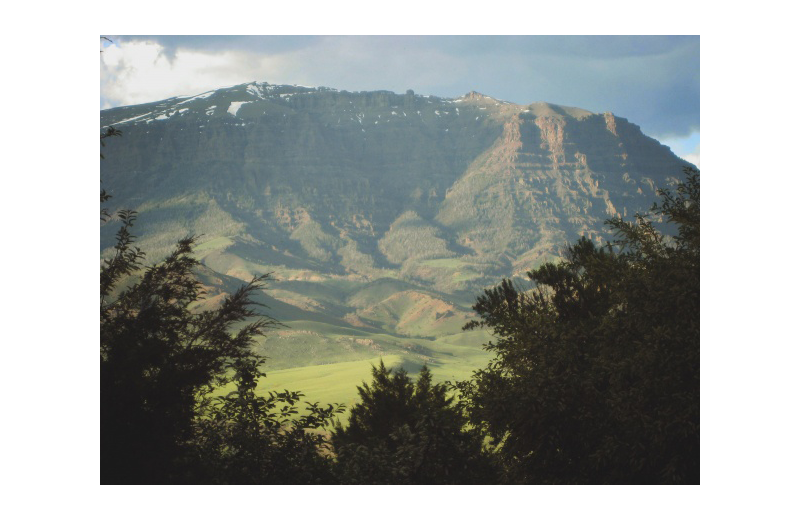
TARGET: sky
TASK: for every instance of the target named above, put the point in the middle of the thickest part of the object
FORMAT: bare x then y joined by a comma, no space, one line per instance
653,81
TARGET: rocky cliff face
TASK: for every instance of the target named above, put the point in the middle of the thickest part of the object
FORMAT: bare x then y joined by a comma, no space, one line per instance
373,183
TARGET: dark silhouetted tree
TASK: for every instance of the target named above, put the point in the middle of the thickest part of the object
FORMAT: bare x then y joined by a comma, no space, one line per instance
402,433
156,357
596,377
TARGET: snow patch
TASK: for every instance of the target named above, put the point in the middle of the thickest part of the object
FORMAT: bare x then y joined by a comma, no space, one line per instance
235,106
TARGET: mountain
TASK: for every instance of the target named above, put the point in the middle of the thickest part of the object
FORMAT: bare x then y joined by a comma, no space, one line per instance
381,215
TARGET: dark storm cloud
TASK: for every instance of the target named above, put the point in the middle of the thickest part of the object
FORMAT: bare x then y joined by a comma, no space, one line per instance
654,81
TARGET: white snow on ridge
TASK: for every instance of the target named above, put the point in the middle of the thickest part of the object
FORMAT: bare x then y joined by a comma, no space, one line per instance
257,90
199,96
251,89
129,120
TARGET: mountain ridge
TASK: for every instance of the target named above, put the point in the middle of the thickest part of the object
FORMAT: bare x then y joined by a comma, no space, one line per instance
334,191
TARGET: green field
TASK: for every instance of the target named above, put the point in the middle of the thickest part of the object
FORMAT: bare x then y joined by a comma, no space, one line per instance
336,372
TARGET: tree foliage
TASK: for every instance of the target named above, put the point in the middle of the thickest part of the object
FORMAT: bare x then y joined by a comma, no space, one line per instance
402,433
156,356
596,377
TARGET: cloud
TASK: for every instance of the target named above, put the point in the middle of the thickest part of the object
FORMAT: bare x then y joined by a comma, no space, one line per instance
693,156
687,148
139,72
651,80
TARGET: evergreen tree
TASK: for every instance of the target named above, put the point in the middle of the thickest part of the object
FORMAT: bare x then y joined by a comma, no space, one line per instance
597,371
